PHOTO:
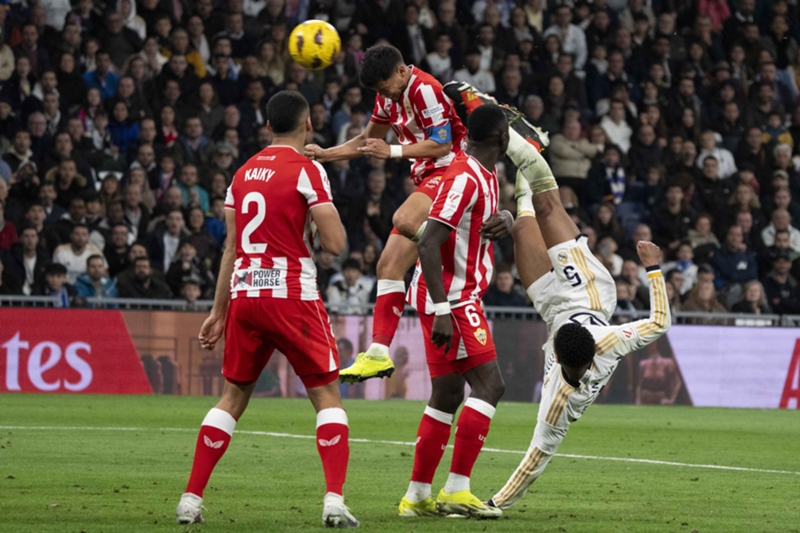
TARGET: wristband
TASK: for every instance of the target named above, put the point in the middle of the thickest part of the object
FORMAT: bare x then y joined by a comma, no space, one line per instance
396,151
441,309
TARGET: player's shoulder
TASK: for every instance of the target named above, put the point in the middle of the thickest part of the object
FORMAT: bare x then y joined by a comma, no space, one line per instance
423,79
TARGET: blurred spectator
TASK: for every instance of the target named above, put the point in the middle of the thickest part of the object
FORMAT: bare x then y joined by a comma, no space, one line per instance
74,254
191,292
734,263
639,293
571,156
501,293
325,271
349,295
56,287
142,284
163,241
8,232
617,129
712,191
671,222
102,78
780,287
702,234
571,36
625,310
683,265
781,220
754,300
116,249
703,299
473,74
606,180
94,283
27,261
708,145
188,264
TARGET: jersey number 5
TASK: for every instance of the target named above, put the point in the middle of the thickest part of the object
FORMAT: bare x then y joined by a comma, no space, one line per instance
572,275
261,211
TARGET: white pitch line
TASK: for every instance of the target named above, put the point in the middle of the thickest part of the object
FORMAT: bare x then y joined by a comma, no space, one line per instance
403,443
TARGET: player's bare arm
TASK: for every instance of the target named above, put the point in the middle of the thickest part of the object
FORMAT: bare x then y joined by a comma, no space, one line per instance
350,149
332,237
427,149
430,258
214,325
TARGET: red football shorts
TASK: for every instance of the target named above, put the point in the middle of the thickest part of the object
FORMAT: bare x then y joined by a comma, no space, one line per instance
430,188
300,330
472,342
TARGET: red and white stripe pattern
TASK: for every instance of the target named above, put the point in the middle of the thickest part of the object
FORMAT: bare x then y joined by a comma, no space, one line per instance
422,107
272,195
467,198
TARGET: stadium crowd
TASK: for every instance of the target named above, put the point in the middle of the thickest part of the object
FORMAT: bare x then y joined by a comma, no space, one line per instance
122,123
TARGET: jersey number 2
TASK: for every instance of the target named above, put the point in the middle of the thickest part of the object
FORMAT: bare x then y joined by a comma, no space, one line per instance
571,275
261,211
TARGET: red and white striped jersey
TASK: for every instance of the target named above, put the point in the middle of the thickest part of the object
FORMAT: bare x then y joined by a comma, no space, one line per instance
424,112
272,195
466,199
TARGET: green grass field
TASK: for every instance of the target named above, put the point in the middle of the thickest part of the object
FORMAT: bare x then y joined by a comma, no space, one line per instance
105,480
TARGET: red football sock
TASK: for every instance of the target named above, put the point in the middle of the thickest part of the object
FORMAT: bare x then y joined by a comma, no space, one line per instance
333,447
215,435
471,431
389,305
432,437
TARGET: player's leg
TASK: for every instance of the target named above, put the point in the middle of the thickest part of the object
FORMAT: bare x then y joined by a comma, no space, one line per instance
302,332
476,358
333,446
432,437
399,255
212,442
245,357
545,442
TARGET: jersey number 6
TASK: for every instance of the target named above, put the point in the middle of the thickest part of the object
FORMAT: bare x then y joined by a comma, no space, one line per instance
571,275
472,316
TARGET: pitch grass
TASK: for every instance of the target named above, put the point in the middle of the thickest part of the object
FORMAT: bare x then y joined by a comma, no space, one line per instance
130,481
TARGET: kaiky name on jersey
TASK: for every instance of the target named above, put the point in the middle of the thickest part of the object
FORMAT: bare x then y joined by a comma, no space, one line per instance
261,174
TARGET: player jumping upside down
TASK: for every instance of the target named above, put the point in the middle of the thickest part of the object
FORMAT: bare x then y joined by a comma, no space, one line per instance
268,277
453,273
576,296
411,103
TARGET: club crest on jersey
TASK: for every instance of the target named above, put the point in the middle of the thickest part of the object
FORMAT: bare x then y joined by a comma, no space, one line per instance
562,258
433,183
260,174
409,111
480,335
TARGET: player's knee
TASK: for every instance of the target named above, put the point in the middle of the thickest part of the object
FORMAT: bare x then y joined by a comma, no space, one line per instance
405,223
448,400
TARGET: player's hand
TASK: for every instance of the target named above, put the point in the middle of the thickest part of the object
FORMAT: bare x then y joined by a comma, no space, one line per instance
211,331
315,153
649,253
497,226
442,333
376,148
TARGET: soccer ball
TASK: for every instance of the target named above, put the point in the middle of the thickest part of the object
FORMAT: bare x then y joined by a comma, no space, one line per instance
314,43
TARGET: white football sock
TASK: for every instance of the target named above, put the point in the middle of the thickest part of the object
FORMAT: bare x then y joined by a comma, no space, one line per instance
418,492
378,349
456,483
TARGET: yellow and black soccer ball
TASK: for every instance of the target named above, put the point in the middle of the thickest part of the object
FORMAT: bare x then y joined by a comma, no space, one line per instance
314,43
